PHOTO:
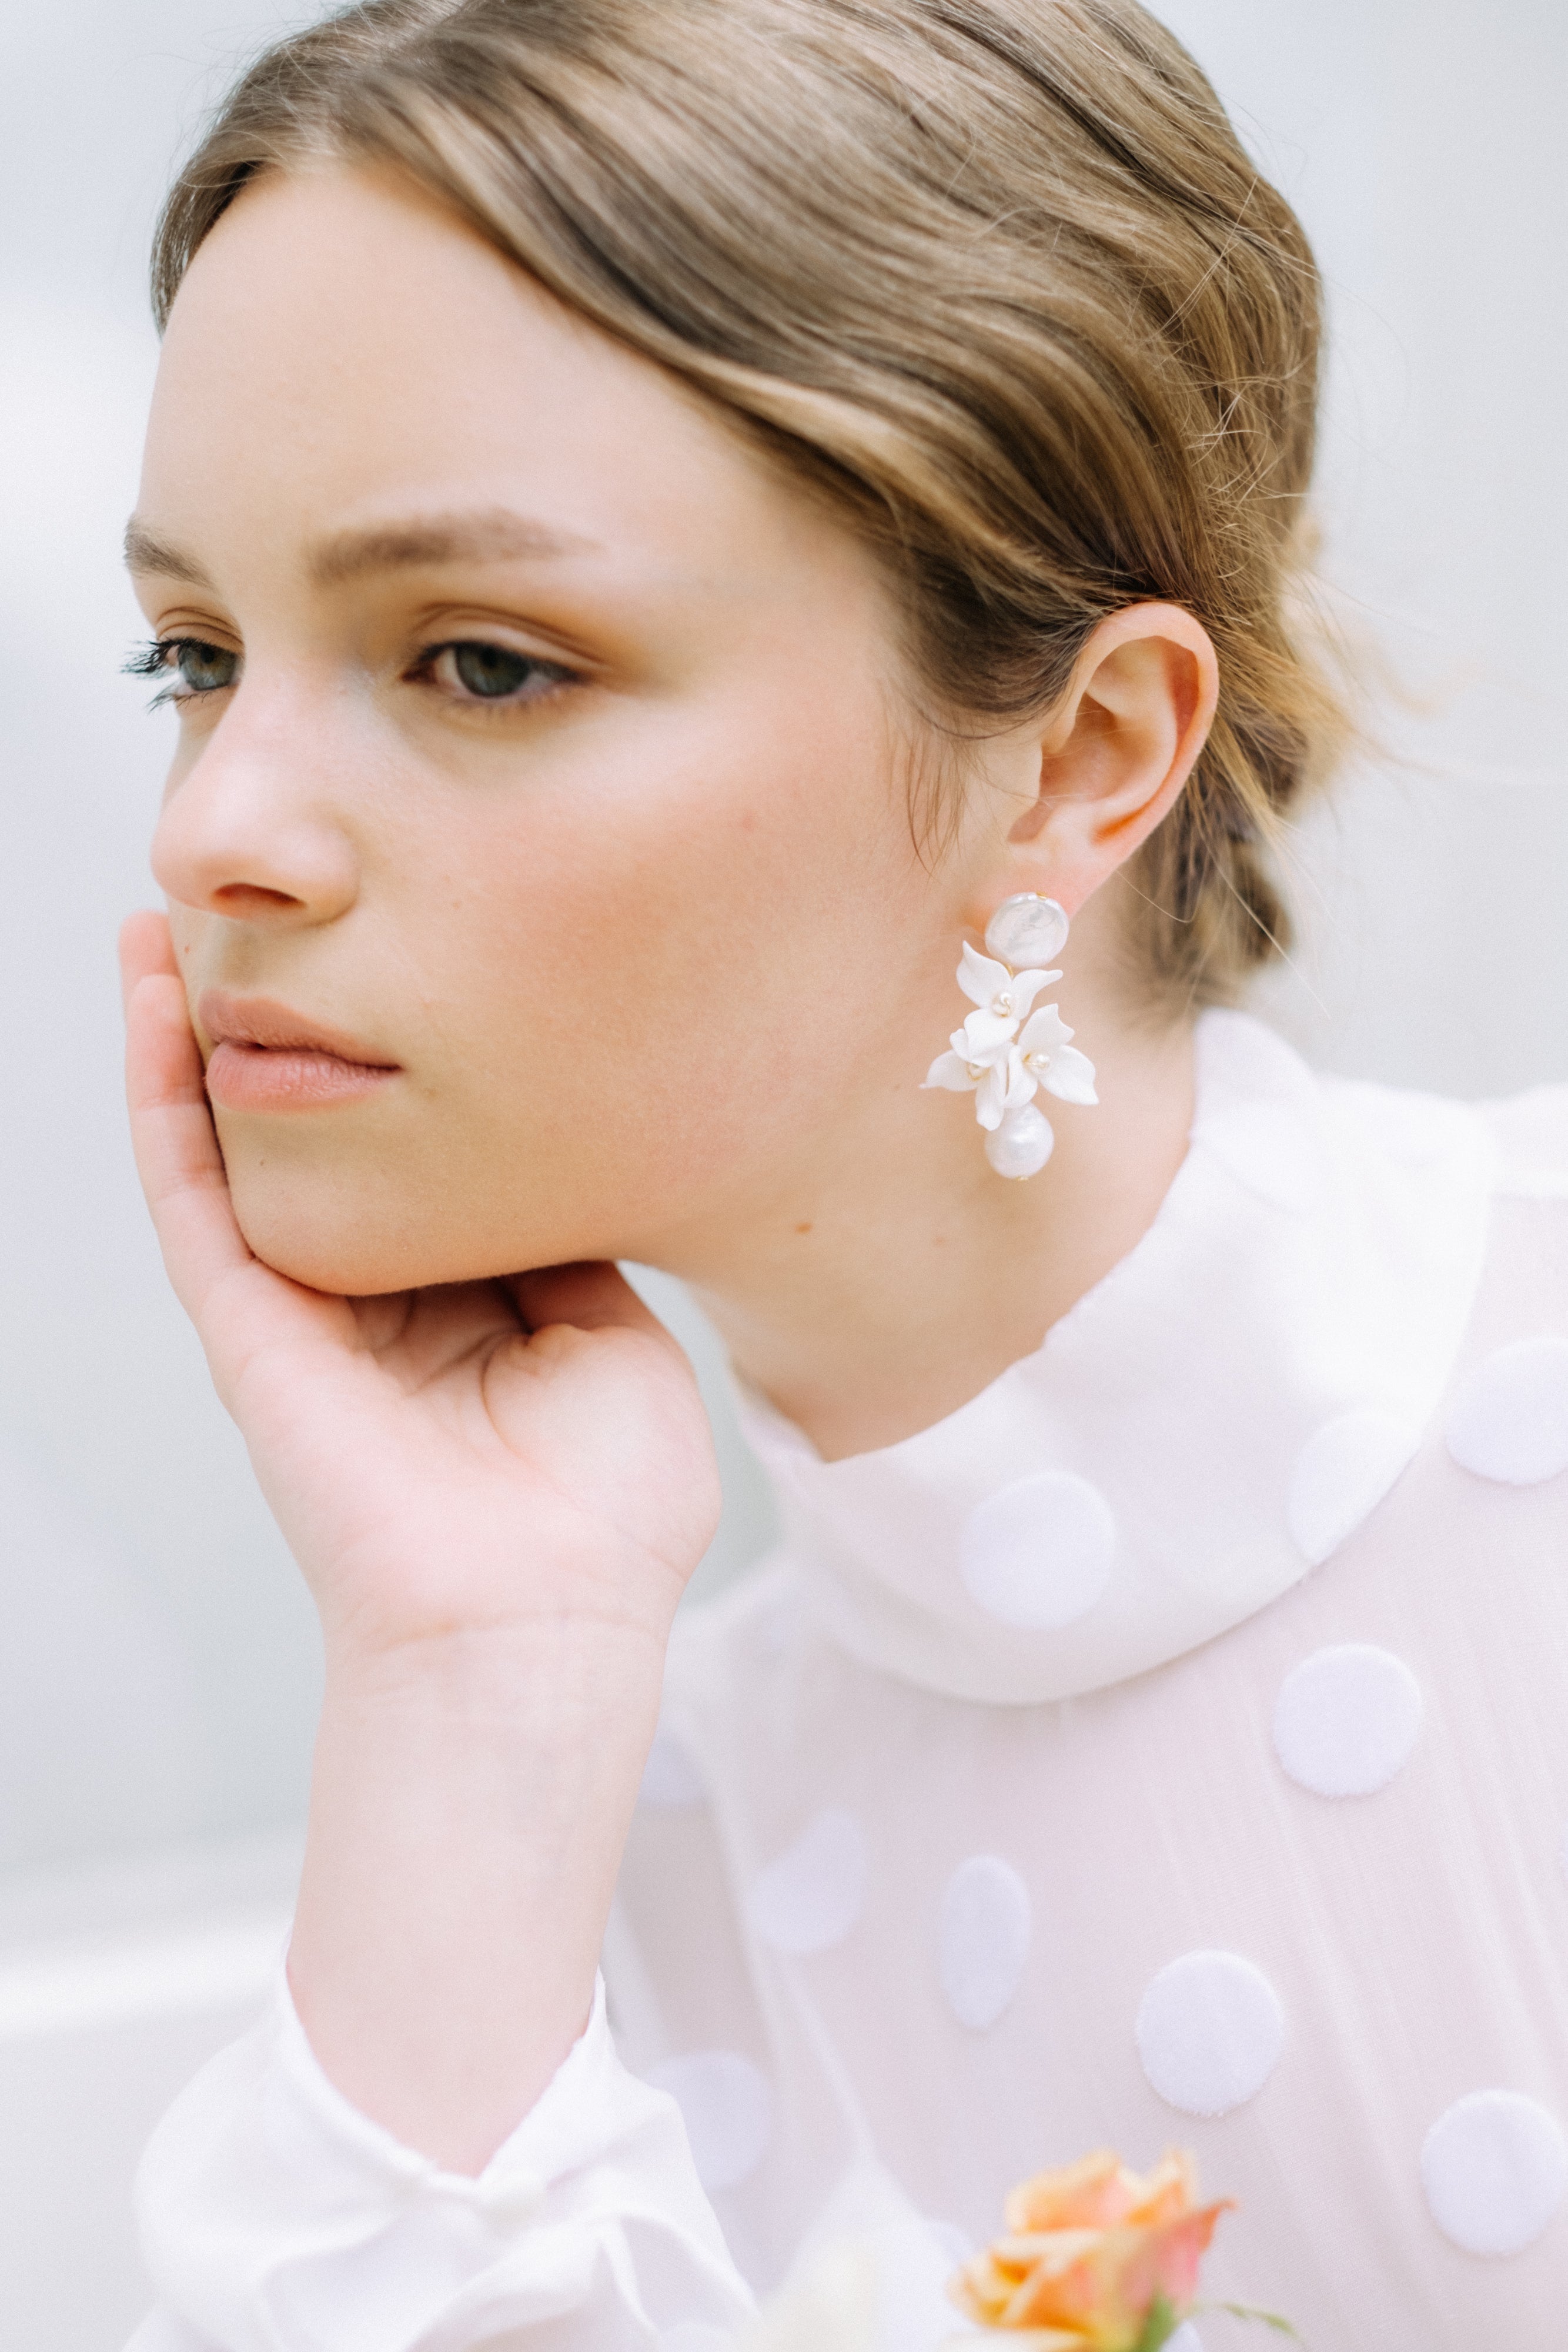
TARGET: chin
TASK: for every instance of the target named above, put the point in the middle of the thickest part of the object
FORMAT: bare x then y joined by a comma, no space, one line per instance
354,1247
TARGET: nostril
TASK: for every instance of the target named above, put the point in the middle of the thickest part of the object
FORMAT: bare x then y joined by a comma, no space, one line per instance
250,899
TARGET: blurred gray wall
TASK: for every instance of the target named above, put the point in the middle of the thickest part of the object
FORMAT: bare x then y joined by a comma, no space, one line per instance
157,1657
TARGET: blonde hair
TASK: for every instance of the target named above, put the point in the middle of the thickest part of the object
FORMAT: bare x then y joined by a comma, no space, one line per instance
995,274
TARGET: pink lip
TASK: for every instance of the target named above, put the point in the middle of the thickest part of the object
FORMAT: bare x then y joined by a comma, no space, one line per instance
267,1057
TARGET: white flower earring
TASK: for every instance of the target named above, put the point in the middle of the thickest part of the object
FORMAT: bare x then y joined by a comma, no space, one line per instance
1004,1053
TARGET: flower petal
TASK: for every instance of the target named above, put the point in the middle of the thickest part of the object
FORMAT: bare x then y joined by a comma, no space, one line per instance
987,1037
952,1071
979,978
1025,986
1044,1032
1071,1077
991,1096
1021,1083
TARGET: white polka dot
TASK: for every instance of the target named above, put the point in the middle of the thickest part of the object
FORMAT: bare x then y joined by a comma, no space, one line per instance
1186,2339
1209,2032
1270,1149
1495,2170
983,1939
1037,1555
1510,1419
671,1781
1346,1719
812,1895
1340,1474
727,2104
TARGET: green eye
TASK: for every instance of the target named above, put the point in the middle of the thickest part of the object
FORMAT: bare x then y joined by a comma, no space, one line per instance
494,672
203,668
190,667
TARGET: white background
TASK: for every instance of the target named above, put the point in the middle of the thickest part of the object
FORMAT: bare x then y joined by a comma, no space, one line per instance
157,1658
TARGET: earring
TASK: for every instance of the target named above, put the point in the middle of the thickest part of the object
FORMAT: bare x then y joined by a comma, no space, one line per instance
1005,1052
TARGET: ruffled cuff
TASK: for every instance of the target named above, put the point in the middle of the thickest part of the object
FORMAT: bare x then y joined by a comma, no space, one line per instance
276,2217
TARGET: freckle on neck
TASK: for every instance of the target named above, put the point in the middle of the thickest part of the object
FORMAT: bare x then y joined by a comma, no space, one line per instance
805,1228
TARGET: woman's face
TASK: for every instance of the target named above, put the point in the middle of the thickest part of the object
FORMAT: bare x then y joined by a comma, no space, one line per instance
535,840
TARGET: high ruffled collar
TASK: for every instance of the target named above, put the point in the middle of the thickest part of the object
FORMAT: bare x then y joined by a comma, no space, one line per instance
1206,1425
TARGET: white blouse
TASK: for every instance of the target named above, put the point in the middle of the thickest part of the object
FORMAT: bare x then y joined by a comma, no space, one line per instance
1171,1745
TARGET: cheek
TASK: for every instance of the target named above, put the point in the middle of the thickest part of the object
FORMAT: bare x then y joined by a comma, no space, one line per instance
663,982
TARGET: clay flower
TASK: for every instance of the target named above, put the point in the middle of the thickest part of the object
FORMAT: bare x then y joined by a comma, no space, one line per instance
983,1058
1096,2258
1004,1052
1048,1061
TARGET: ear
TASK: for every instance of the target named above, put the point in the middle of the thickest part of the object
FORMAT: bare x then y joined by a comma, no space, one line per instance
1109,759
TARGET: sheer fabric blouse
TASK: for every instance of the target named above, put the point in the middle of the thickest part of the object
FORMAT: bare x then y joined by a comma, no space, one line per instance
1170,1746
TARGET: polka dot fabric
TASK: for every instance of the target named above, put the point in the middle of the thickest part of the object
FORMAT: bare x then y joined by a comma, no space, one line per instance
1168,1747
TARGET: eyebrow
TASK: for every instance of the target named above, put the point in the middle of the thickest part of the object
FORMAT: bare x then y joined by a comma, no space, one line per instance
492,535
145,551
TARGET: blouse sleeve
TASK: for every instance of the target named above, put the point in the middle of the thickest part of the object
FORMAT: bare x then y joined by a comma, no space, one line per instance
276,2217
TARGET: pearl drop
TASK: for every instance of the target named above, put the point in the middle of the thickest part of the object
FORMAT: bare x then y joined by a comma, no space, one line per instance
1022,1144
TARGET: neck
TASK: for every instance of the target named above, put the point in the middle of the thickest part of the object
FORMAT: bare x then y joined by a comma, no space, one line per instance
868,1307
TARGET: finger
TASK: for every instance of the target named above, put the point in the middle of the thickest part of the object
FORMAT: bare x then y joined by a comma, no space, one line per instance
171,1133
592,1295
145,947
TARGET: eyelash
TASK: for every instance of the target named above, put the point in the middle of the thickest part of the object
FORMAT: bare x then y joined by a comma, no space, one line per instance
156,657
153,659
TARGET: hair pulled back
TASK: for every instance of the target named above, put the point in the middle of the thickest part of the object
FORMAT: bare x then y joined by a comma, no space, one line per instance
996,275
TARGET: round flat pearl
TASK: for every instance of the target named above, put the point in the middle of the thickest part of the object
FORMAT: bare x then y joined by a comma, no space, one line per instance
1209,2032
726,2105
1026,932
1038,1554
1495,2170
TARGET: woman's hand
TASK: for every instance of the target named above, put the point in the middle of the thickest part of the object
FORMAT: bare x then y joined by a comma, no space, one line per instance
496,1493
442,1462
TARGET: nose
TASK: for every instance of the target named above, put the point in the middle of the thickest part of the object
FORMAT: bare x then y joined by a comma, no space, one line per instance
252,829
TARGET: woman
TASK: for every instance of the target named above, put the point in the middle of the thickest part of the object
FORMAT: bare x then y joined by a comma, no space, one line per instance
673,532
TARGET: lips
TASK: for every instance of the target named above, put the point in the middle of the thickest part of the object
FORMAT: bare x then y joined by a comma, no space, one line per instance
268,1057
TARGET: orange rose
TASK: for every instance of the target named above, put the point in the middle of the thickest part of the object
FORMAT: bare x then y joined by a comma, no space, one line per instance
1095,2256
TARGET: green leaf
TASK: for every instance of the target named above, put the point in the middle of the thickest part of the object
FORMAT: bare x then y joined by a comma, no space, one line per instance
1248,2311
1161,2325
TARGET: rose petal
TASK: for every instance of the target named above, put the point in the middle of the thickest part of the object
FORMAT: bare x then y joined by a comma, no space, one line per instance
1092,2194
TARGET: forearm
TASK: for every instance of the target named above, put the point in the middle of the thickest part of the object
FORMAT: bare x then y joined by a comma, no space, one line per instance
469,1805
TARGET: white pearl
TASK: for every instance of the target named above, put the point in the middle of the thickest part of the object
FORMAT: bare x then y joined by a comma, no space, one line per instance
1022,1144
1026,930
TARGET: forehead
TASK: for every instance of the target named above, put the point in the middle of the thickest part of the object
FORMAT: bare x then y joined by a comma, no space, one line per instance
341,346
